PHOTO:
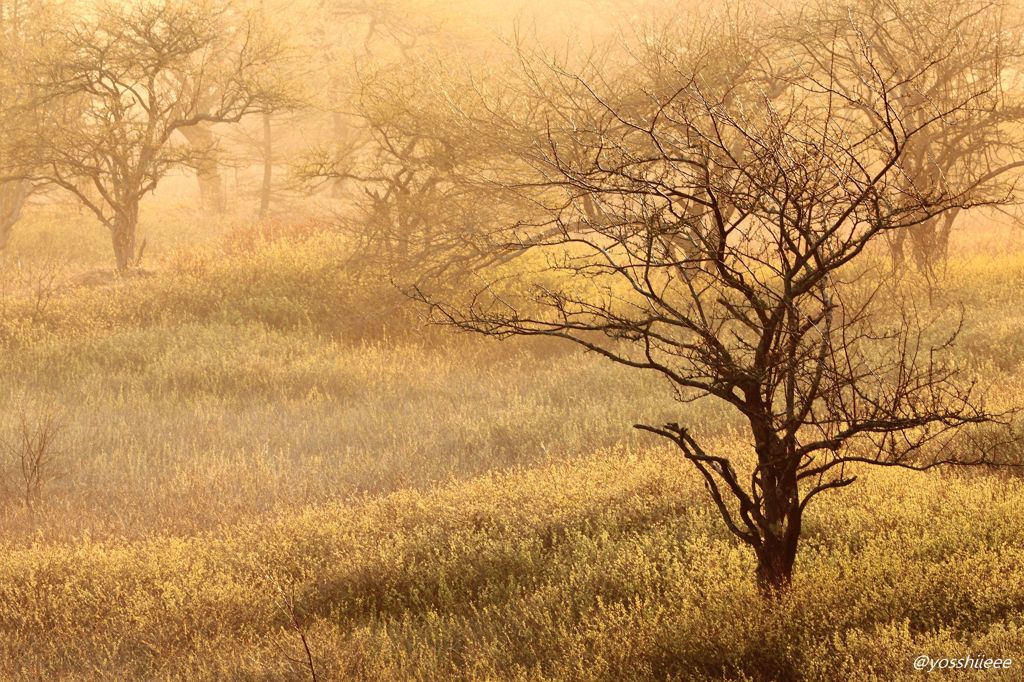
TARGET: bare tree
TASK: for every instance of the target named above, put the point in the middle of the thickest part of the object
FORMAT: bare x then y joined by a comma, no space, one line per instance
33,453
413,205
21,28
419,184
980,46
125,80
711,207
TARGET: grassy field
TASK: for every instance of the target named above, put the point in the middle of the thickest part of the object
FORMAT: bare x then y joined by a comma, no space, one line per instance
260,451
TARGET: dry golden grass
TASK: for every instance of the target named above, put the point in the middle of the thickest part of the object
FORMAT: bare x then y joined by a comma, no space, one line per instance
242,431
608,567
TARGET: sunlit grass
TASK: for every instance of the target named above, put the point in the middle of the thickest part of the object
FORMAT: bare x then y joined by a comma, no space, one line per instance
609,567
253,424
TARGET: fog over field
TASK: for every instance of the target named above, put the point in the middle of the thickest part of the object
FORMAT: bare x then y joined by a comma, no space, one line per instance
478,340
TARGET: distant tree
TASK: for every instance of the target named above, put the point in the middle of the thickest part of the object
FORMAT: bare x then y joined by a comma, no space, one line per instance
409,181
21,26
346,35
416,203
123,80
710,211
980,45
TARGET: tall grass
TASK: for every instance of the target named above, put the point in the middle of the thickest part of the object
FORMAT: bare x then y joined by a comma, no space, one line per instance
254,425
607,568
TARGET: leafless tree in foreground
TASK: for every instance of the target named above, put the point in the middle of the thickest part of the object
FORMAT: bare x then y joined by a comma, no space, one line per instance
719,231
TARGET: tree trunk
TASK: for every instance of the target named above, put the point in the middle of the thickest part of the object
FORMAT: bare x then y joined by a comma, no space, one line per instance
782,515
775,562
924,245
944,233
211,184
268,166
122,234
896,241
12,199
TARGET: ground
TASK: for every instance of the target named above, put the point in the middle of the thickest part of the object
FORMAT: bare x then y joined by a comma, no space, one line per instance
262,451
